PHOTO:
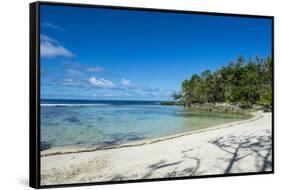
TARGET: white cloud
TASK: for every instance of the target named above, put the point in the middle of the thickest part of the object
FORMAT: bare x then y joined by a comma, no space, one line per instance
126,82
50,48
101,83
97,69
129,84
52,26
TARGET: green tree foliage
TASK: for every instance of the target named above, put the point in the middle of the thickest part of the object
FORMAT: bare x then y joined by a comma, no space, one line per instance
240,81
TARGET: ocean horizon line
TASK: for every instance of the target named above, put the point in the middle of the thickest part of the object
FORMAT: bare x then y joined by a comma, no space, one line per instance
93,103
54,99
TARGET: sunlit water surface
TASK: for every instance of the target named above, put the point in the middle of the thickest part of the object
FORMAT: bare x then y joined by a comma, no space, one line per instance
108,124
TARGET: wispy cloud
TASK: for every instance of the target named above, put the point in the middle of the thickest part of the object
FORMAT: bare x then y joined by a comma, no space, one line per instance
51,48
101,83
149,89
128,84
45,38
70,64
70,82
159,94
108,95
52,26
74,72
97,69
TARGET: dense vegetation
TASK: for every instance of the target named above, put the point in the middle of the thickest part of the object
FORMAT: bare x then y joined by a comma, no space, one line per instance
243,81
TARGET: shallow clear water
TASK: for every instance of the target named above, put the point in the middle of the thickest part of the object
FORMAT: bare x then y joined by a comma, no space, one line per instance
106,124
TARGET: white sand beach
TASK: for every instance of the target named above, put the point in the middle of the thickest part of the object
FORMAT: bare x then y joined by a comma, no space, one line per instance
231,148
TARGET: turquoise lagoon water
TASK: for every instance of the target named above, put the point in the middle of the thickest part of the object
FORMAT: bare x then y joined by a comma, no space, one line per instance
95,123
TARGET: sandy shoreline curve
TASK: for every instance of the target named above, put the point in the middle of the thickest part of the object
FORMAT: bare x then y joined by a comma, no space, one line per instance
80,149
236,147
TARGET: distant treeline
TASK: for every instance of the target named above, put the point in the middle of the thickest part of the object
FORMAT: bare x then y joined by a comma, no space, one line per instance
243,81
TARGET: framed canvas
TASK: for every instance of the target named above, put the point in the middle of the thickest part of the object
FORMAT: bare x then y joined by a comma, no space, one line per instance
122,94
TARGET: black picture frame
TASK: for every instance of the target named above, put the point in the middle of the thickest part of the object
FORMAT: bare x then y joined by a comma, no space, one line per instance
34,92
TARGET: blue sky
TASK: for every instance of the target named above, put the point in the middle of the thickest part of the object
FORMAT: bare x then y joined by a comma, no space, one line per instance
90,53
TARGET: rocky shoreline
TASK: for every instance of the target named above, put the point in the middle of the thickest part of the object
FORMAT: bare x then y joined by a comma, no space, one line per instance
234,108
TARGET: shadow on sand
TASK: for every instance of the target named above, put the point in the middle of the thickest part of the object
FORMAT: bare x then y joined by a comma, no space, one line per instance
241,147
237,147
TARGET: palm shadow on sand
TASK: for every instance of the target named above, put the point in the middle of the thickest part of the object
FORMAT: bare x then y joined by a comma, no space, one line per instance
237,147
